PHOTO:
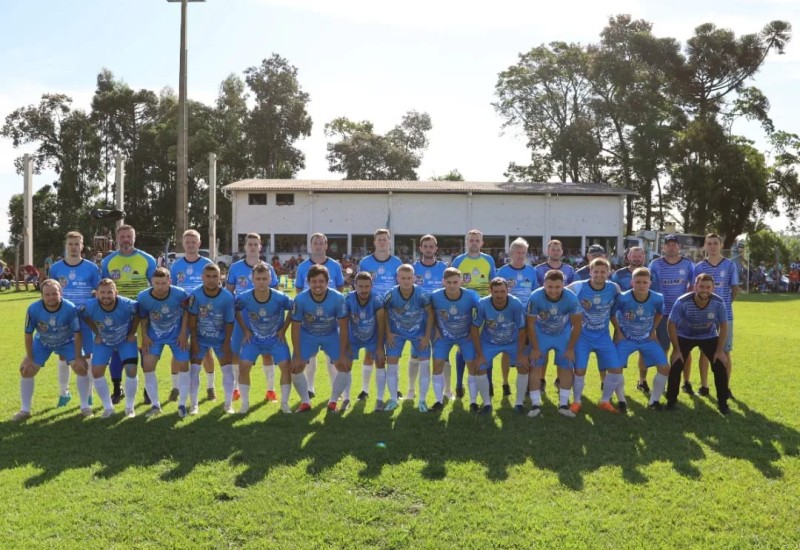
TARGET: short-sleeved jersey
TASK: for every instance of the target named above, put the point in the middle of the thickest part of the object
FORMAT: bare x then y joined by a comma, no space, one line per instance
77,281
213,314
476,272
726,276
500,326
164,314
429,277
384,273
597,305
566,269
132,273
673,280
112,325
335,275
363,317
454,317
553,317
636,319
698,323
582,274
263,319
53,329
240,276
407,316
521,282
188,275
319,318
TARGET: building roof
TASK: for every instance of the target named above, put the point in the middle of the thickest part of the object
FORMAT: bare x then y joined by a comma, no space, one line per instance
407,186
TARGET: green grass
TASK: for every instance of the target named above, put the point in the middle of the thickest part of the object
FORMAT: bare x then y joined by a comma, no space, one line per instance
657,480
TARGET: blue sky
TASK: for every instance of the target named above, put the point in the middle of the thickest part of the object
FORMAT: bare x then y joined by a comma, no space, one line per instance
356,58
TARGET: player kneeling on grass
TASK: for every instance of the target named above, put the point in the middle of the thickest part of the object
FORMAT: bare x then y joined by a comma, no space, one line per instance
699,319
453,309
114,321
261,314
52,326
638,312
319,321
554,323
211,315
367,328
503,320
597,297
161,309
407,307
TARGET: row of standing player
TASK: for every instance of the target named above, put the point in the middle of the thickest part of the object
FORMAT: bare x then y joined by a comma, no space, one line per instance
478,268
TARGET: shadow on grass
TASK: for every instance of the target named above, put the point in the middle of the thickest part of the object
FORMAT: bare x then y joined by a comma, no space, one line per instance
57,441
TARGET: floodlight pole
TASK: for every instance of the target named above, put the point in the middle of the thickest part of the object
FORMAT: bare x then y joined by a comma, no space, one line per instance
181,182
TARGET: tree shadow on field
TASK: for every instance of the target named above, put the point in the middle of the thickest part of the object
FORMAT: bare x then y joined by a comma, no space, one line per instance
55,441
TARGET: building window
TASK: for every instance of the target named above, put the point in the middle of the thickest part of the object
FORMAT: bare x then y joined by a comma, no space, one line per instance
257,199
284,199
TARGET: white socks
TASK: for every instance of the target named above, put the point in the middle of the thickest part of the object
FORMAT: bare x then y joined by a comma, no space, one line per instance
184,385
194,383
659,383
366,374
473,389
424,379
63,377
522,387
244,391
210,380
536,398
131,389
101,387
227,384
235,370
151,385
413,370
577,387
311,372
563,398
393,380
339,385
301,386
610,385
84,384
438,387
482,383
286,389
26,393
176,380
380,383
269,374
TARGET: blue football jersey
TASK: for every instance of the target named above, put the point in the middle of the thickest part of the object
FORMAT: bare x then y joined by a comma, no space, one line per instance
673,280
429,277
726,276
112,325
454,317
597,305
407,316
384,273
164,314
335,275
319,318
698,323
77,281
521,282
636,319
213,313
240,276
363,327
553,317
263,319
53,329
500,326
188,275
566,269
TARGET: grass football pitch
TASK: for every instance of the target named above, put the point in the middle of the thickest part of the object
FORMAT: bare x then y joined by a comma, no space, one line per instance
688,478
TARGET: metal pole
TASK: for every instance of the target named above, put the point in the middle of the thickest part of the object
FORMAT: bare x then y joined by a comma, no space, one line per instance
27,229
119,185
181,187
212,206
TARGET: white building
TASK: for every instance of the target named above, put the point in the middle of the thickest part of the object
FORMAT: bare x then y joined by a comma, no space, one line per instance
286,212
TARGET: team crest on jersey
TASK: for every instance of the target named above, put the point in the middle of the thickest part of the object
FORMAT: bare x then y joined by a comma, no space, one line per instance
253,316
381,270
630,315
72,275
115,274
155,315
205,310
501,318
467,278
181,277
597,300
682,272
262,312
443,314
492,324
309,317
108,321
62,281
711,316
320,312
189,270
41,326
722,273
586,304
511,283
165,309
544,315
418,278
241,282
453,310
640,310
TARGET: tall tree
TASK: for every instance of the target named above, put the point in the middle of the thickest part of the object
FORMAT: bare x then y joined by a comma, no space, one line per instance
48,238
360,153
278,119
